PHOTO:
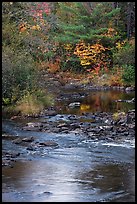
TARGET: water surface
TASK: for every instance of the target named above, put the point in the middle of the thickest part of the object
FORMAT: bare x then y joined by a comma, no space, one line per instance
79,169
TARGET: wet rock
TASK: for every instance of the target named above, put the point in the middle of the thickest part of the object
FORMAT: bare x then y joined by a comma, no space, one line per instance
70,86
73,105
126,133
47,192
108,121
48,143
28,139
6,162
8,155
109,128
21,140
131,126
121,122
17,141
127,101
95,130
27,128
72,117
56,130
91,135
50,112
130,89
120,130
8,158
36,124
76,131
74,126
31,148
62,125
14,155
8,137
64,129
131,111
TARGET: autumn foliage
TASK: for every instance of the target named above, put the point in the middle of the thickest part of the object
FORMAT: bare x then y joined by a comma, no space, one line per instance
67,36
94,55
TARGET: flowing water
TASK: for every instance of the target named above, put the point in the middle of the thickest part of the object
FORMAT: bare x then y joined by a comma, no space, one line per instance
79,169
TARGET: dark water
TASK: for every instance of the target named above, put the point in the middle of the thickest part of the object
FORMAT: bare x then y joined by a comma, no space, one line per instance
77,170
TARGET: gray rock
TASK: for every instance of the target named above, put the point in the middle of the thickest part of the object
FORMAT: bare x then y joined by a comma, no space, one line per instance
48,143
73,105
34,124
31,128
130,89
17,141
28,139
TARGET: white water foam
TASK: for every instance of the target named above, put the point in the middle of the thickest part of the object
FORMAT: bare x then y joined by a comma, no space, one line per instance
126,143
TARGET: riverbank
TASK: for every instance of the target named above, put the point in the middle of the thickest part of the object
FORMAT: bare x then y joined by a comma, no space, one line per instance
56,85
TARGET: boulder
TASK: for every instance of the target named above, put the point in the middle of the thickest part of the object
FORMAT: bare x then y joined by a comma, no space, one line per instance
130,89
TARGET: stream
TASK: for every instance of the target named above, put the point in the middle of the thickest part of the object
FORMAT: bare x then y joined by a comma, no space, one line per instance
78,168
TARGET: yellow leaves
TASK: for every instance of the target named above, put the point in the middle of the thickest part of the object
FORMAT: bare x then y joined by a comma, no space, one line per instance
119,45
35,27
68,47
84,107
118,115
85,62
88,53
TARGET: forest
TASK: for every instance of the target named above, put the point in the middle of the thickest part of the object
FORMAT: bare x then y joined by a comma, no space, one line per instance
92,41
68,102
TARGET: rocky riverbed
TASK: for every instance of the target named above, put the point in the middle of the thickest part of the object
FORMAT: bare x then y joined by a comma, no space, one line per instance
97,126
91,141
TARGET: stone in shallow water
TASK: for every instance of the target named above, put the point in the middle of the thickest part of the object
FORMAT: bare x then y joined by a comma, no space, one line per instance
75,104
17,141
48,143
28,139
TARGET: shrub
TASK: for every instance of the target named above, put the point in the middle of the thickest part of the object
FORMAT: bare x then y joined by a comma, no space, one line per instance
129,74
34,102
72,64
125,55
18,73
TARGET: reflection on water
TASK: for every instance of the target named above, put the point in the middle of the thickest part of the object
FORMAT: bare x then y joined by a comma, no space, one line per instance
68,177
101,101
110,178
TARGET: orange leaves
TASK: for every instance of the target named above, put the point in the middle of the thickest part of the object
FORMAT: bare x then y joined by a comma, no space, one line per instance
22,27
110,33
97,69
54,66
25,27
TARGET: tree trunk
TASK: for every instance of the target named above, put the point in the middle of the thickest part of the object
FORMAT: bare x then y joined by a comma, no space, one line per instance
129,11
